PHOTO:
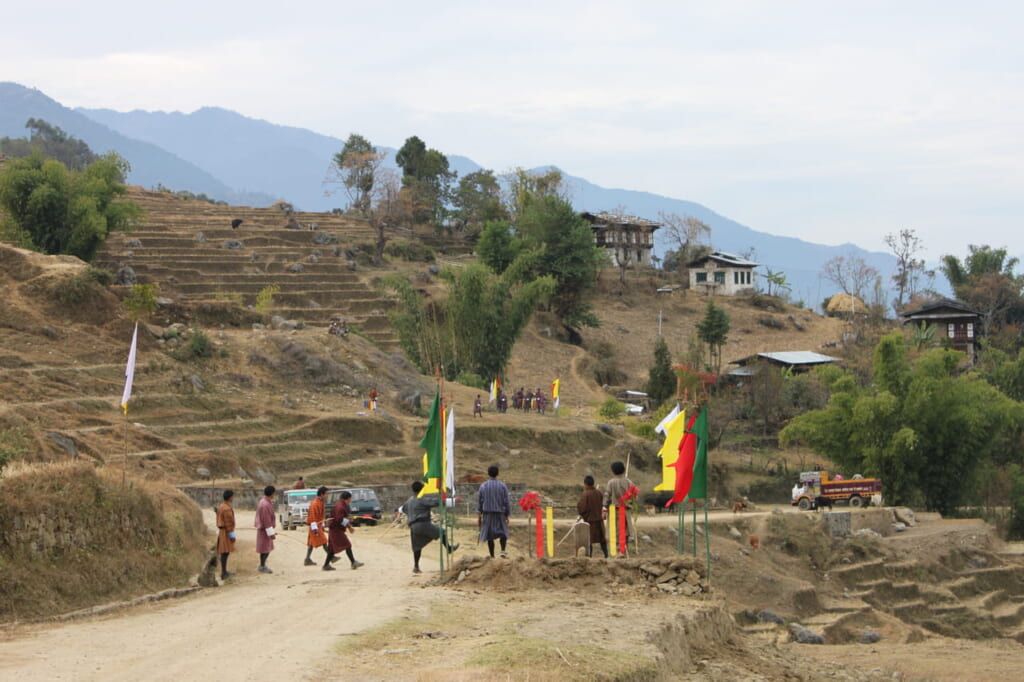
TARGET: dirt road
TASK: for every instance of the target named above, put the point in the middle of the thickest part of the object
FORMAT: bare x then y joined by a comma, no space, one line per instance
291,620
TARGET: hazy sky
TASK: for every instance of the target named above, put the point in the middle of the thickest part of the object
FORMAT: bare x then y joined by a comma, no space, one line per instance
829,121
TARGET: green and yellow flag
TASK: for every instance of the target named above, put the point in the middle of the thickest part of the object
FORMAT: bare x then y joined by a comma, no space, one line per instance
433,449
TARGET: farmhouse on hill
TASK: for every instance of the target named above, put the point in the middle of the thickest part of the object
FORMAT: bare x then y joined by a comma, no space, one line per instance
723,274
952,320
797,361
628,239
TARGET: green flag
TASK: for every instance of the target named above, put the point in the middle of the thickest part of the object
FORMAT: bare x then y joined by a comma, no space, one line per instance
432,443
699,487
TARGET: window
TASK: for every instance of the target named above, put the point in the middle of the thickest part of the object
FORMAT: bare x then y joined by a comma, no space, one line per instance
952,330
736,277
719,278
970,330
702,277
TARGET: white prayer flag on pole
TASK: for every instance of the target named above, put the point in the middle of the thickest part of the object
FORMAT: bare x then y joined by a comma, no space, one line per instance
129,372
449,446
663,424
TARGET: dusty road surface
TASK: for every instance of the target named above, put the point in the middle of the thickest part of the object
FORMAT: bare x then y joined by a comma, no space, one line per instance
256,626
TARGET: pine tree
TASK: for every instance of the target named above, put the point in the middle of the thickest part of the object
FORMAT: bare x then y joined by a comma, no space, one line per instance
661,380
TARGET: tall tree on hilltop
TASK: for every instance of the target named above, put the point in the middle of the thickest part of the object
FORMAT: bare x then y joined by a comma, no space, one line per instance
426,178
850,274
986,281
661,380
713,330
905,245
688,238
357,166
477,201
51,142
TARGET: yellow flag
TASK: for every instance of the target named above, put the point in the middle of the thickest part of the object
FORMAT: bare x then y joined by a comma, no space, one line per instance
669,453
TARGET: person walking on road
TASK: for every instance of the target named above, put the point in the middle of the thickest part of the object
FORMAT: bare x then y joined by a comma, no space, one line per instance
340,527
317,535
493,509
225,532
266,523
421,529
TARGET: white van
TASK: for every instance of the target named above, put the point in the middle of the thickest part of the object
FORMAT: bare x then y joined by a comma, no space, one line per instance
296,507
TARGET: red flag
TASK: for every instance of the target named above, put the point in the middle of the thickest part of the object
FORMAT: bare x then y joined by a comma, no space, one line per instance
684,465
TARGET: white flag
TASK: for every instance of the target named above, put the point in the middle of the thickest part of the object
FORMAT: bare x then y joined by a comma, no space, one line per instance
663,424
449,447
129,372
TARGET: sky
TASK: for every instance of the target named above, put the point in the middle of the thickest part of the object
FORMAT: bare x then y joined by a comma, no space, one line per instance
833,122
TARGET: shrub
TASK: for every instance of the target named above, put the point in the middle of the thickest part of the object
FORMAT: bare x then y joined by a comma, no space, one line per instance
612,409
265,299
199,345
413,252
643,430
101,276
77,290
141,302
14,444
471,379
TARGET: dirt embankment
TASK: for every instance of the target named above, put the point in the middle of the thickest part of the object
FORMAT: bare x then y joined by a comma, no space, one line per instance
72,536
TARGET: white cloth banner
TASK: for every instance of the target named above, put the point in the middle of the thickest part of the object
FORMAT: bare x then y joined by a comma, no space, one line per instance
663,424
449,449
129,373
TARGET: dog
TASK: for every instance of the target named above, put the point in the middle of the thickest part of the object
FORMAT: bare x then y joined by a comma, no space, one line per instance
738,506
650,509
755,542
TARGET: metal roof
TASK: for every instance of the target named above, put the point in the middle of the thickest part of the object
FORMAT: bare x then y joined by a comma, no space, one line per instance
615,219
728,259
788,357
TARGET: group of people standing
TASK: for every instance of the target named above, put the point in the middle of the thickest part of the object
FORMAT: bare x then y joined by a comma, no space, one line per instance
331,532
494,509
527,401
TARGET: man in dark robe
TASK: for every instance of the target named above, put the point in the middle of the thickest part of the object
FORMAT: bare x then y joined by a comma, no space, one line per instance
341,526
590,509
225,533
493,509
421,530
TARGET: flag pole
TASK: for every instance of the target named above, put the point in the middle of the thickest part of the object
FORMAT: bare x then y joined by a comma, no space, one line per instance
695,528
707,542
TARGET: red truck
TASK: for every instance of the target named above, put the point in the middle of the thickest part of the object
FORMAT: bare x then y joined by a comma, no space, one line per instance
816,490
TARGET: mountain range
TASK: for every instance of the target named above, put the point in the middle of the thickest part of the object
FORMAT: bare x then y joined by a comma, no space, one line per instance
248,161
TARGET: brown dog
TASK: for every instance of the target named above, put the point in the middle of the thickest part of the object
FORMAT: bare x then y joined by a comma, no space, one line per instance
738,506
755,542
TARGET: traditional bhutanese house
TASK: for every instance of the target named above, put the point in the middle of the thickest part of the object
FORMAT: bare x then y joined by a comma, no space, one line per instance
952,320
723,274
797,361
628,239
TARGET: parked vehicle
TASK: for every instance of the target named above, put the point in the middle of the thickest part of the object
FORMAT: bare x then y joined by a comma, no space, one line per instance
296,507
816,490
364,505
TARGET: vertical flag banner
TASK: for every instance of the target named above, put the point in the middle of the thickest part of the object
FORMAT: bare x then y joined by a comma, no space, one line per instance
699,487
669,452
494,391
663,424
449,452
684,465
554,391
433,449
129,372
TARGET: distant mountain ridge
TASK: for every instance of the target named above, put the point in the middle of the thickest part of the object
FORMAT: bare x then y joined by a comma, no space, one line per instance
243,160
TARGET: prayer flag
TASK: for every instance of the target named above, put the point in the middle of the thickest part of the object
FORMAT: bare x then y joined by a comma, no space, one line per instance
494,390
129,372
669,452
554,391
684,465
449,452
663,424
699,487
433,446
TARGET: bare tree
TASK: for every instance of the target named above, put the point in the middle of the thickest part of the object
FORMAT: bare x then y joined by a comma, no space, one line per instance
389,208
851,274
690,237
905,245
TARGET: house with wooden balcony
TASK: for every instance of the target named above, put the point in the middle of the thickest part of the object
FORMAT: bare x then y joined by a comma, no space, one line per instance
629,240
953,321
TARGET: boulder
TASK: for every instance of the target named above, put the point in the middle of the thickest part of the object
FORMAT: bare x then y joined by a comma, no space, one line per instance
232,244
802,635
65,442
769,616
325,238
126,276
